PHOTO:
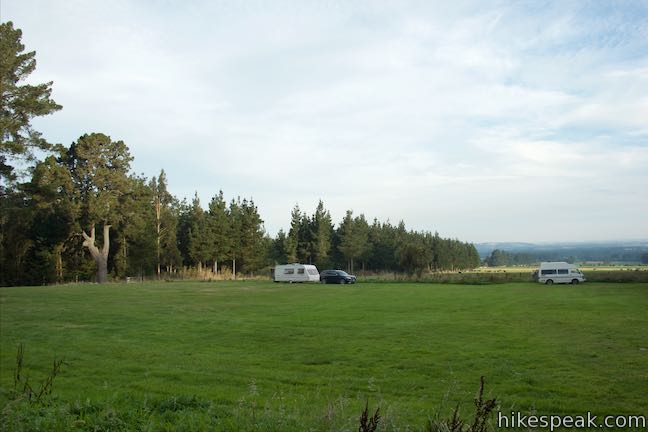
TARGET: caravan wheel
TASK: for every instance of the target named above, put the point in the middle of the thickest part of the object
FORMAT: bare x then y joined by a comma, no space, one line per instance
549,282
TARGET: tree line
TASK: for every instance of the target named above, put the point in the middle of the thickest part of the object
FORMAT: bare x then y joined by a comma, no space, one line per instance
603,254
77,213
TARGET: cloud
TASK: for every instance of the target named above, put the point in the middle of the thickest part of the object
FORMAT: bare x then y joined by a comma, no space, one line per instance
455,118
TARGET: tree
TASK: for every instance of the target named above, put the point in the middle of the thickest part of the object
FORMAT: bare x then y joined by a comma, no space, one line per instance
166,249
278,254
361,229
219,229
292,240
53,217
498,258
322,231
100,256
20,103
199,234
413,255
253,246
135,240
354,236
382,242
99,170
15,238
234,232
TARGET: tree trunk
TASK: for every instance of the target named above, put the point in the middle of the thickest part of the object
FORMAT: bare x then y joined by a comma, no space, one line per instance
59,263
100,257
234,268
158,227
215,266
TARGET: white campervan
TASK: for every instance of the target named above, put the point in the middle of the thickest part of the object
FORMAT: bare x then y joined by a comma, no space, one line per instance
559,272
295,273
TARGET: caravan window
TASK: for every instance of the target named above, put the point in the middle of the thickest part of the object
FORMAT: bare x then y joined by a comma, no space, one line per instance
548,272
563,271
289,271
312,272
300,271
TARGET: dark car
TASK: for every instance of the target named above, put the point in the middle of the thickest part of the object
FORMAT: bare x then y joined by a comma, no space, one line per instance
336,276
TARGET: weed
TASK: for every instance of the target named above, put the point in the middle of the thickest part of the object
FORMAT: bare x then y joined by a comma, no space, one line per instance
27,391
369,424
483,410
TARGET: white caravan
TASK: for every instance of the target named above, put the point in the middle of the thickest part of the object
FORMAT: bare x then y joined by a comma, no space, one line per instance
295,273
559,272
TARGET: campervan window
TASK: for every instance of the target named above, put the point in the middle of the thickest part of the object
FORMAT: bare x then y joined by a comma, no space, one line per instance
300,271
563,271
548,272
312,272
289,271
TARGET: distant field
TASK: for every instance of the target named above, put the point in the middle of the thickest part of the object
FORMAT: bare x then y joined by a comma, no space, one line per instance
258,355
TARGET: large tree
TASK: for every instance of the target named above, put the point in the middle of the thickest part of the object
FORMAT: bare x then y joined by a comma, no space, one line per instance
20,103
99,169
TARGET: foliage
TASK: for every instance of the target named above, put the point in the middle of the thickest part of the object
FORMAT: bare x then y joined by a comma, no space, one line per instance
19,103
23,389
45,221
369,423
483,411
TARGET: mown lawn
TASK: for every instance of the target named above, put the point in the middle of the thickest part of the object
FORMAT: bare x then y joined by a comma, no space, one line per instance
309,356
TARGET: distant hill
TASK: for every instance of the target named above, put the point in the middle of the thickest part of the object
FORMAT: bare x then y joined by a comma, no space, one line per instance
609,252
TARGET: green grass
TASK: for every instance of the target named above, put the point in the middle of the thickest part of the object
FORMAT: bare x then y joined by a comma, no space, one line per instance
298,357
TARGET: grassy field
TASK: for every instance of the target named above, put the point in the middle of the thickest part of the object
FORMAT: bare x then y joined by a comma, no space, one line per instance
258,355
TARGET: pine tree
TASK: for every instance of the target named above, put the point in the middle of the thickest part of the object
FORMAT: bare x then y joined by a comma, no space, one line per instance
20,103
235,225
219,227
166,250
99,170
200,240
292,240
322,230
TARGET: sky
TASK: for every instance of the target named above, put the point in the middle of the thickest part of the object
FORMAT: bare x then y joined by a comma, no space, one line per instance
482,120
